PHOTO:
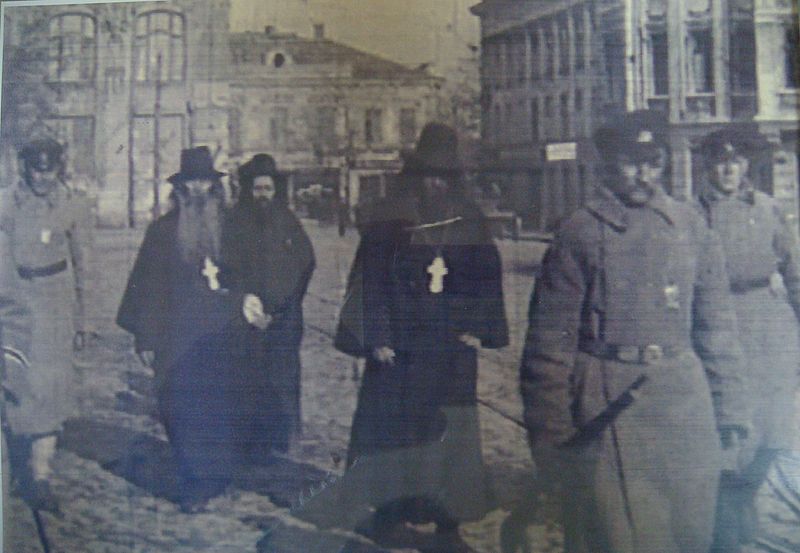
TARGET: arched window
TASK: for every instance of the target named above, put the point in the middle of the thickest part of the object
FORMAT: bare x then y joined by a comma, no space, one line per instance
72,47
160,46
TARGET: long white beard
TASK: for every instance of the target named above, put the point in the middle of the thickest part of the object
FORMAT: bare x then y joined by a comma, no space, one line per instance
199,229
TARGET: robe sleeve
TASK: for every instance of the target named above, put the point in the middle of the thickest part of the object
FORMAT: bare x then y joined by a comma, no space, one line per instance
715,334
143,309
364,321
552,341
488,322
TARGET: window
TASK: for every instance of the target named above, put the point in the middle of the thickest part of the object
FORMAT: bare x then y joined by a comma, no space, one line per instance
534,61
521,53
72,47
535,119
580,39
549,49
743,56
564,112
578,100
701,67
408,126
563,45
659,59
373,126
548,106
160,48
792,56
277,126
325,126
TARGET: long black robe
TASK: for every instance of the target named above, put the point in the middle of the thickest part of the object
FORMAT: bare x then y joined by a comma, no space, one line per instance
283,261
415,432
207,357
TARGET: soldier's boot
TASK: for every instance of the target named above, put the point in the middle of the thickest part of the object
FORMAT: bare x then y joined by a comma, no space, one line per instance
38,493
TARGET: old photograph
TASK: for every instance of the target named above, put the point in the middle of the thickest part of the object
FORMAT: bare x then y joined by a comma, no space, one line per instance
373,276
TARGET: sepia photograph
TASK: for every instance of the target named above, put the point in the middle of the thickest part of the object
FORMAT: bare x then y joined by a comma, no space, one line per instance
381,276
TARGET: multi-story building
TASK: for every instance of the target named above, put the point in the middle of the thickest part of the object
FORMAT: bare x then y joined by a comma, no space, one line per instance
553,70
128,85
331,115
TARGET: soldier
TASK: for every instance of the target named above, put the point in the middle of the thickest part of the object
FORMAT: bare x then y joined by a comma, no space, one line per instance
48,231
761,250
632,366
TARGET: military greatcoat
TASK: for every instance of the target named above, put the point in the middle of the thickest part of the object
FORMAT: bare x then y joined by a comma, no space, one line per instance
50,237
626,292
758,245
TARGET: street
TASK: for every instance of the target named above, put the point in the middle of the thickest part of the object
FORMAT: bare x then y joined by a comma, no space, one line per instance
113,473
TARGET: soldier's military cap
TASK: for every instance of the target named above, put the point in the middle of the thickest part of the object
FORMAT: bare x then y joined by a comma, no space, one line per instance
638,134
731,141
44,154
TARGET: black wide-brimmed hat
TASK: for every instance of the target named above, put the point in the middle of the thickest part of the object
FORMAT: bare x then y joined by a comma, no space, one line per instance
260,165
196,163
437,151
637,134
44,154
733,141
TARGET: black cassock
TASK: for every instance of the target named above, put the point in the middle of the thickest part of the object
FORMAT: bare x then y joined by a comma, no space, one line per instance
208,359
416,287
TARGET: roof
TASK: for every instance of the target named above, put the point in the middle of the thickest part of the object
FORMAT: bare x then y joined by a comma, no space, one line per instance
308,51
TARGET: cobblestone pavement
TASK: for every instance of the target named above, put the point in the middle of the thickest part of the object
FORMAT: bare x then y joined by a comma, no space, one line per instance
113,467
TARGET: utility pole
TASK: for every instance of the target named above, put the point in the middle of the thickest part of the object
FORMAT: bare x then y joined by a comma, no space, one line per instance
156,143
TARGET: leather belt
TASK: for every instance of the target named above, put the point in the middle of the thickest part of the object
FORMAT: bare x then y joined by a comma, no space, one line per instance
29,273
643,355
742,287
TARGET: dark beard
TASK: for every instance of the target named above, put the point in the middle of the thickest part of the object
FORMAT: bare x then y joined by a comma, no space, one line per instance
199,229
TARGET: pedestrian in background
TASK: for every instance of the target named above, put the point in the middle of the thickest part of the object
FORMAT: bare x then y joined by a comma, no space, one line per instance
282,264
49,233
631,321
424,294
763,263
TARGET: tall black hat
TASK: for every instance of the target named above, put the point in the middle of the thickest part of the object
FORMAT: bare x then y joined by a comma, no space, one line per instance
196,163
259,165
437,151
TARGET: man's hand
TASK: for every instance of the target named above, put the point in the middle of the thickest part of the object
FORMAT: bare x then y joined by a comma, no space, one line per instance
146,357
253,311
470,340
384,354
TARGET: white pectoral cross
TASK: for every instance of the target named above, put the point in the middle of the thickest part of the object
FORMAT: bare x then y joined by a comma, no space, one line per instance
210,271
437,269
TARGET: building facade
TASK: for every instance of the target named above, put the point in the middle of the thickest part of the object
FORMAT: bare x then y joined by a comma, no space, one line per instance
553,71
331,115
125,86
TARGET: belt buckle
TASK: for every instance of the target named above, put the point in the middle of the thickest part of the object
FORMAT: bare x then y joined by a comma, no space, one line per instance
652,353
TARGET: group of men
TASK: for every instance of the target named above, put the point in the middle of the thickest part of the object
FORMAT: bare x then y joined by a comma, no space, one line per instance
658,373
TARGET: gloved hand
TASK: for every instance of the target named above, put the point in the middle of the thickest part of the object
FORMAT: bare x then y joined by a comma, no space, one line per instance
253,311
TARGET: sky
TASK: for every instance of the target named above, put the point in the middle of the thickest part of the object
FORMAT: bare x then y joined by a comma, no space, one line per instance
408,31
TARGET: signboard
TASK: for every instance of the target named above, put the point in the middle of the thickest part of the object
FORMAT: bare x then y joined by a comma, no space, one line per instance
561,151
